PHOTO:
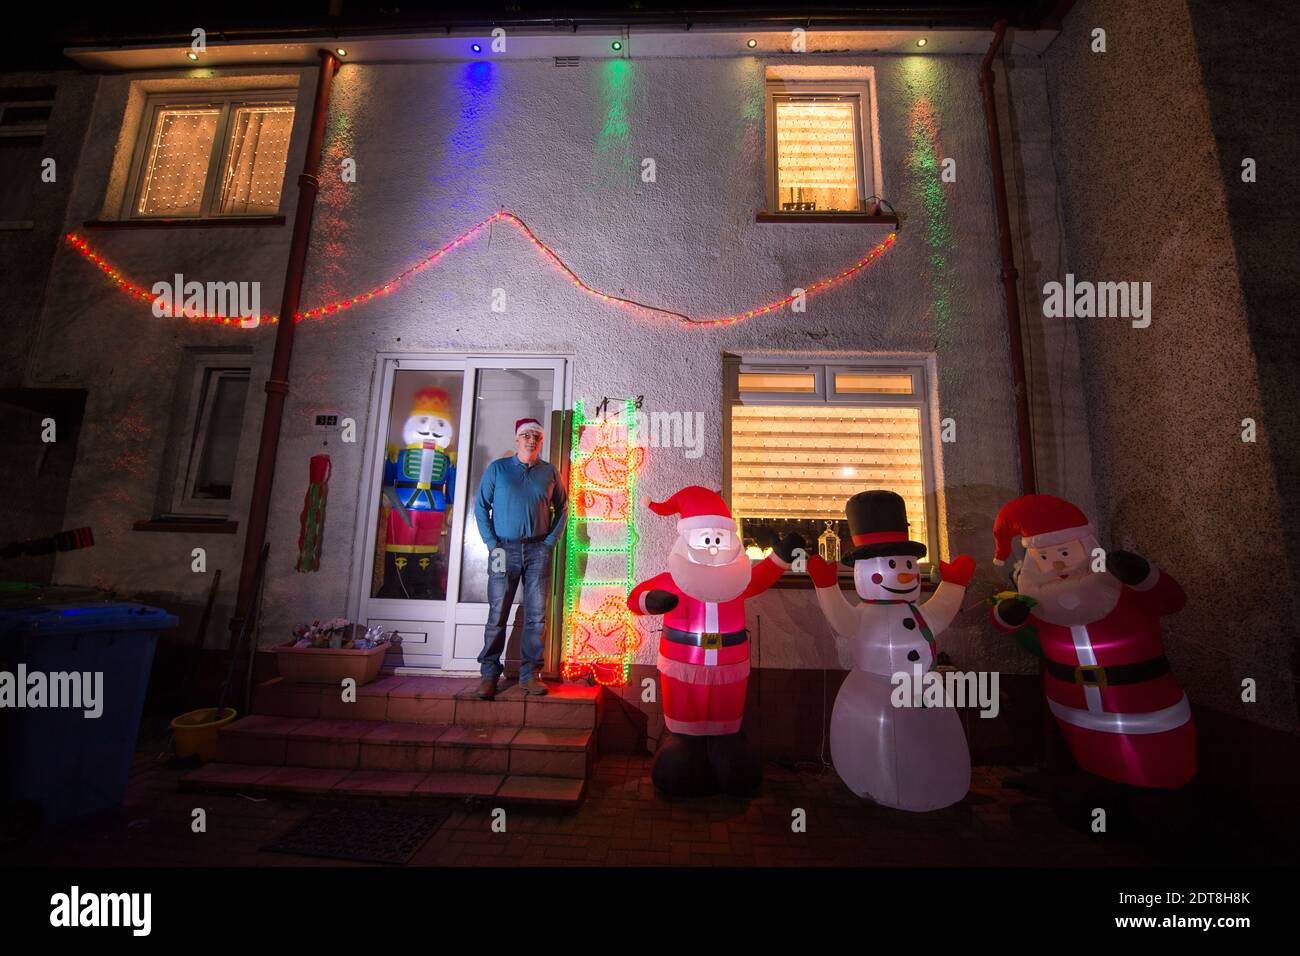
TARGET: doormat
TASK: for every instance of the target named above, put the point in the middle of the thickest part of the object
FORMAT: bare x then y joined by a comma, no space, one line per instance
361,833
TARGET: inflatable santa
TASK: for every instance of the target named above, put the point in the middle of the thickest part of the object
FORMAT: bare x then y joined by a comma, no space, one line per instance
1106,677
704,647
909,757
419,479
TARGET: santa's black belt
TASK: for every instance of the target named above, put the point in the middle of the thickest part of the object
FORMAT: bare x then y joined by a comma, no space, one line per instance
710,640
1094,675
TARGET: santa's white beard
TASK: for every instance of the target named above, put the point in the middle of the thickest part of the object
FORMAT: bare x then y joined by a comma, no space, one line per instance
711,583
1074,601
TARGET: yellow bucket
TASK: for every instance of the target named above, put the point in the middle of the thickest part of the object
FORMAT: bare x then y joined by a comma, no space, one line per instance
196,732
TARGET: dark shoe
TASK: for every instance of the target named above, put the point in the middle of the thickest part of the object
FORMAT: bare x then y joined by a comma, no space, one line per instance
533,686
487,688
736,766
681,767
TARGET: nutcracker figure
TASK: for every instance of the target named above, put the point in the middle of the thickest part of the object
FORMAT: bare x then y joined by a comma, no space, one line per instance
419,481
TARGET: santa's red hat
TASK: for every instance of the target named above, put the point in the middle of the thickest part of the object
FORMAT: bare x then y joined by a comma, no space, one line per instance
698,507
527,425
1041,521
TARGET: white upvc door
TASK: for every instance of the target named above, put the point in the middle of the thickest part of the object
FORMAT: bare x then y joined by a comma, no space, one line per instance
439,611
502,389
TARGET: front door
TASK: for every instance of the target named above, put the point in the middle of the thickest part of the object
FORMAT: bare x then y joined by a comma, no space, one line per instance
442,420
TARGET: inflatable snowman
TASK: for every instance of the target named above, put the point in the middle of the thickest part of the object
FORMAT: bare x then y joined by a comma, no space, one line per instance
909,757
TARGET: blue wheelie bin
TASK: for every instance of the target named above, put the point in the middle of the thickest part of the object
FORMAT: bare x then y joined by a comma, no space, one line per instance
59,755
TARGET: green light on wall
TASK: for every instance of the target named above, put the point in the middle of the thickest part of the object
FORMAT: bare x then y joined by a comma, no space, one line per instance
613,164
924,162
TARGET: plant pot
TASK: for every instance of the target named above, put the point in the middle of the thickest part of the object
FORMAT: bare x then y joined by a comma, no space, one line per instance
329,665
196,732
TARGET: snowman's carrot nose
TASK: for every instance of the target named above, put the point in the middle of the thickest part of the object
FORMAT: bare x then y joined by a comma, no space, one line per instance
906,578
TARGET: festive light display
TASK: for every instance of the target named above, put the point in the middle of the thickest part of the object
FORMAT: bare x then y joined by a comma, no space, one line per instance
259,150
816,154
599,634
809,289
177,170
926,187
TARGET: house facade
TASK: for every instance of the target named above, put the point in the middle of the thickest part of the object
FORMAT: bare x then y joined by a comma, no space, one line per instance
583,225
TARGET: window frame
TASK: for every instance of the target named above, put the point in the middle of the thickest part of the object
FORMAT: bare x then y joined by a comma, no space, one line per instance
868,168
916,366
227,103
198,419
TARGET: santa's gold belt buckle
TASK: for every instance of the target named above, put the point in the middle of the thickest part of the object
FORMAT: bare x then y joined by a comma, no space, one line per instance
1090,675
711,641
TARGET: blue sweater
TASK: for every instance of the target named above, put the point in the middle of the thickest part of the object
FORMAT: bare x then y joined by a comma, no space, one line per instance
516,501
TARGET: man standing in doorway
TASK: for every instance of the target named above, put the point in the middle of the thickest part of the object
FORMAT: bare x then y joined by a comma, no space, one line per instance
520,514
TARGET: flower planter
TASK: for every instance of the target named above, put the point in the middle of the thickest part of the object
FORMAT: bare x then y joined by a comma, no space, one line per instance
329,665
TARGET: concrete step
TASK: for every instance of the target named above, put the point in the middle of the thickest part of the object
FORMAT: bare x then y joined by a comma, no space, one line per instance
500,788
433,700
395,746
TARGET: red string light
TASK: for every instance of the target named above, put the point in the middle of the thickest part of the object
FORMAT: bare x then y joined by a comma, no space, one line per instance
812,288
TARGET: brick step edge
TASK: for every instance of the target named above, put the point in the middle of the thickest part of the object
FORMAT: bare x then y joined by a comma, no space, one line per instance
504,789
507,749
391,698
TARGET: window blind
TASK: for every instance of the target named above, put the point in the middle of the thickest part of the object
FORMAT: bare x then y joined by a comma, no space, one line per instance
806,461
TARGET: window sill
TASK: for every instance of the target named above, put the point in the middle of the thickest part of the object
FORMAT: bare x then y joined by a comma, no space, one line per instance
184,223
823,217
195,526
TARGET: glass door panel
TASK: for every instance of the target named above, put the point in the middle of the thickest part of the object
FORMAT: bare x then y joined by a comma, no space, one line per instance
417,497
501,397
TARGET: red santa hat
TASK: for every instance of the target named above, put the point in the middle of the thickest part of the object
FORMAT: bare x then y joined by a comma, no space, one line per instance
699,508
527,425
1041,521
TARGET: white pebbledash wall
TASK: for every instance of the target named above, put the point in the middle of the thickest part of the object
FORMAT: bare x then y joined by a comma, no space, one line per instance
440,146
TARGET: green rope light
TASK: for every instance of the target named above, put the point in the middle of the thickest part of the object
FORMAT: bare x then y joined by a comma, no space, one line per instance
612,667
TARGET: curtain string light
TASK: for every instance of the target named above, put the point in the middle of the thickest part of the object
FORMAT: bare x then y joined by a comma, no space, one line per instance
136,291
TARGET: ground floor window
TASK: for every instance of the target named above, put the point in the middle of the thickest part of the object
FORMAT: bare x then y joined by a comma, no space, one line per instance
804,437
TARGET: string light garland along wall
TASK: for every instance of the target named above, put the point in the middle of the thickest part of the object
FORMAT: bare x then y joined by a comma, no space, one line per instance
133,289
600,541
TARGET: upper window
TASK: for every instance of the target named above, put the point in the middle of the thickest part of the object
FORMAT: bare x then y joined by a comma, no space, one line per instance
210,156
24,113
804,439
819,147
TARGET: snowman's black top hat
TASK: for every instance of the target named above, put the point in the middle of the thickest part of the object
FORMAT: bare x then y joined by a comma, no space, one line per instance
878,524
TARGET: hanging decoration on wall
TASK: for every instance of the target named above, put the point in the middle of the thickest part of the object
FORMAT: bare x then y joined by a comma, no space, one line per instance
599,635
311,523
137,291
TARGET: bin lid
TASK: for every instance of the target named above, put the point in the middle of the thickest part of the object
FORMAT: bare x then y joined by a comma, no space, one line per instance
14,594
75,618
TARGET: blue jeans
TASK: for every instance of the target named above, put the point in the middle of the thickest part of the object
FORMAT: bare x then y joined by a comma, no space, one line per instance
532,563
